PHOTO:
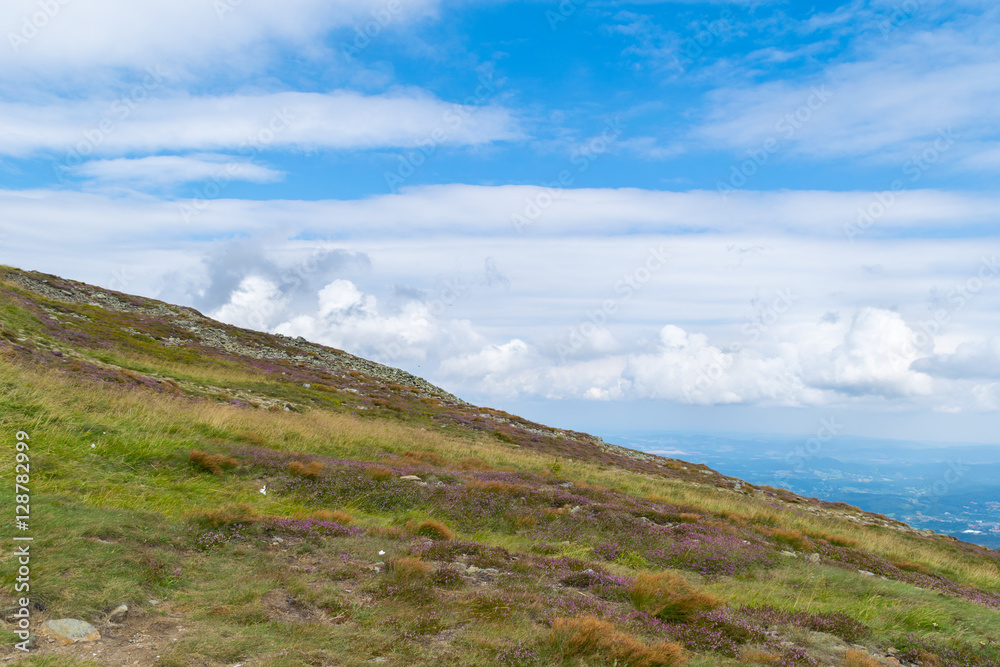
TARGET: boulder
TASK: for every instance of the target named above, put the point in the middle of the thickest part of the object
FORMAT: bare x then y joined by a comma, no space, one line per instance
69,631
119,614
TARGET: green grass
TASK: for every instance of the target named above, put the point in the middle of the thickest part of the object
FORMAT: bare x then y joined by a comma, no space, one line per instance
117,522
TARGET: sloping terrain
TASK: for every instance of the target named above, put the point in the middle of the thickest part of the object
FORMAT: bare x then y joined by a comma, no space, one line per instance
260,500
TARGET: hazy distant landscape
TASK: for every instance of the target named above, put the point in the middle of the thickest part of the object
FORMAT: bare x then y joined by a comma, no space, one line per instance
949,488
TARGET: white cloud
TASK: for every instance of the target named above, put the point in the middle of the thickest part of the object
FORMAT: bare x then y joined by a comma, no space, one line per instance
65,36
247,123
889,103
172,169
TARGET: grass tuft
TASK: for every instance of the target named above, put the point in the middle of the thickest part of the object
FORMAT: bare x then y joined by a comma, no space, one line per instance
310,471
589,637
669,597
213,463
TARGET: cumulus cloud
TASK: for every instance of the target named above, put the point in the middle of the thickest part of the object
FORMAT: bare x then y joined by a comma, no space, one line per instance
976,359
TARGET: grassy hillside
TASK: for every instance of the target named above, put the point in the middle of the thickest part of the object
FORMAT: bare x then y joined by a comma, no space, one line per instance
401,526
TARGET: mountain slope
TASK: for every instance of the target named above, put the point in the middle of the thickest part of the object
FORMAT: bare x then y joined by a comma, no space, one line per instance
285,503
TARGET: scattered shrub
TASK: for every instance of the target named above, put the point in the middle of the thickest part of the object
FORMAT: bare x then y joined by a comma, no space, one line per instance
669,597
378,473
312,470
213,463
856,658
435,530
591,637
447,577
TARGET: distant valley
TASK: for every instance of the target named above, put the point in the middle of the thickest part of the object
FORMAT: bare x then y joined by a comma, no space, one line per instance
953,490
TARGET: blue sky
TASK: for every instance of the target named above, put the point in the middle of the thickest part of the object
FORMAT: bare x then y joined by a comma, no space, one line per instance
676,215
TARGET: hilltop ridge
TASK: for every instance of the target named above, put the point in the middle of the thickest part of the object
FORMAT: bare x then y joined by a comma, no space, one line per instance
343,499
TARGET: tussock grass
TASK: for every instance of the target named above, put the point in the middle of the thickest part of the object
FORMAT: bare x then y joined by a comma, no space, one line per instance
856,658
213,463
591,637
311,470
669,597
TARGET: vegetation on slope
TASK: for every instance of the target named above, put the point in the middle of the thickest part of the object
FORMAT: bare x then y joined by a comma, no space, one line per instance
400,525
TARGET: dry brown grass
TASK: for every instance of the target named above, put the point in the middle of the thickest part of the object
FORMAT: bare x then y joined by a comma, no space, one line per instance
213,463
471,463
689,517
856,658
588,636
435,530
336,516
409,570
224,516
788,537
425,458
669,597
525,521
837,540
912,567
311,470
378,473
760,657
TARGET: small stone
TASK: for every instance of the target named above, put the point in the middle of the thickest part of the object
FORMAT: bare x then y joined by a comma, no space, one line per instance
154,602
492,570
67,631
791,554
866,573
410,478
813,558
472,568
575,510
306,385
119,614
892,651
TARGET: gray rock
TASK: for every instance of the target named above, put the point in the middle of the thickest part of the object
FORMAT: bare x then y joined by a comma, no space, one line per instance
813,558
412,478
67,631
866,573
119,614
